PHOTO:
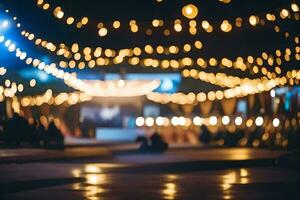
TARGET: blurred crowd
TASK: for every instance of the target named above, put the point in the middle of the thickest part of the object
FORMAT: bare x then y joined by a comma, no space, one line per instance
18,132
154,144
258,137
231,136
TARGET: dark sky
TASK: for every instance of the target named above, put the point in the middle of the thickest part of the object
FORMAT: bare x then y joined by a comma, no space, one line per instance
239,42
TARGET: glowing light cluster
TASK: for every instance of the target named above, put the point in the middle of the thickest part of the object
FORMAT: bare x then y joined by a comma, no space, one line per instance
95,88
190,11
239,91
120,88
69,78
60,14
225,1
199,121
92,57
9,88
49,98
220,79
2,71
99,55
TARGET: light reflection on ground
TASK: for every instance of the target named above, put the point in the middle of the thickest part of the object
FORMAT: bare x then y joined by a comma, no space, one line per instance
219,184
96,182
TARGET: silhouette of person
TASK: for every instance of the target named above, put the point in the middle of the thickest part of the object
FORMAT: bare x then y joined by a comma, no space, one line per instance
12,136
205,136
2,131
41,135
33,132
157,143
144,143
55,135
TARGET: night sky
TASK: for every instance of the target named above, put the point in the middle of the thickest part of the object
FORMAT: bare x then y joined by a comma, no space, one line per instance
239,42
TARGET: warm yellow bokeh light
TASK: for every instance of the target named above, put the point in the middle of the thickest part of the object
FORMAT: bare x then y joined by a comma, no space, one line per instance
102,32
190,11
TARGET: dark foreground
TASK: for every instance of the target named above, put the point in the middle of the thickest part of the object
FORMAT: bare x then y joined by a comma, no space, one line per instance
82,179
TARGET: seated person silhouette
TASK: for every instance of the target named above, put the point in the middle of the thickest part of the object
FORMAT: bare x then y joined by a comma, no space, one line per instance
205,136
157,144
55,137
144,143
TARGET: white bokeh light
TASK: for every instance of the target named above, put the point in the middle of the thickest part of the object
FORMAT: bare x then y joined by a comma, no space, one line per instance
259,121
213,120
276,122
225,120
139,121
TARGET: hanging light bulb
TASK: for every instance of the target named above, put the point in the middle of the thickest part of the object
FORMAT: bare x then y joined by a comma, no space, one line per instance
190,11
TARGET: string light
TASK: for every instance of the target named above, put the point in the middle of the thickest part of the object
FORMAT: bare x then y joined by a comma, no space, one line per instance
238,121
99,88
63,50
213,120
50,99
2,71
9,89
276,122
262,85
199,121
32,82
225,120
259,121
4,24
236,92
140,121
136,60
238,64
225,1
120,88
220,79
189,11
69,78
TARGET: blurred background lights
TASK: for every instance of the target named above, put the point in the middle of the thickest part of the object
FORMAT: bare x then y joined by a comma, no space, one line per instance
174,121
190,11
235,86
166,85
149,121
159,121
276,122
225,120
102,32
140,121
213,120
259,121
238,121
249,122
272,93
197,121
181,121
32,82
4,24
295,7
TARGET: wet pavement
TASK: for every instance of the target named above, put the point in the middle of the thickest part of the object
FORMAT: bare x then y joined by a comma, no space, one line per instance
88,182
129,155
99,181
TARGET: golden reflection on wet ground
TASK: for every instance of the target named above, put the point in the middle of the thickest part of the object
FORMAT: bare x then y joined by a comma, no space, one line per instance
95,182
94,178
231,178
169,190
218,184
